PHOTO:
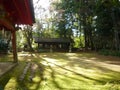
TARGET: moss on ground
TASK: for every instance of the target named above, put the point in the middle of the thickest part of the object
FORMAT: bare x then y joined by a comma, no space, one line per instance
64,71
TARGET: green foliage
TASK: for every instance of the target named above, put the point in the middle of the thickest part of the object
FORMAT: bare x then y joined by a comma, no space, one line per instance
101,30
25,38
79,42
97,20
3,45
20,40
109,52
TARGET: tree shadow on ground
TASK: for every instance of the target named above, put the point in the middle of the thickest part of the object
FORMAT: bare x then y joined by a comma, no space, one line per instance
4,80
88,62
74,72
55,69
56,84
41,69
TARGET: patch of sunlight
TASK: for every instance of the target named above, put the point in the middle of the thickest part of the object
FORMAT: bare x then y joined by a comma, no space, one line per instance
99,76
81,75
44,63
55,60
69,82
36,79
104,65
44,55
33,87
52,61
94,73
11,85
48,86
34,55
107,66
35,84
29,59
71,54
24,54
93,58
88,60
110,66
21,58
76,70
73,57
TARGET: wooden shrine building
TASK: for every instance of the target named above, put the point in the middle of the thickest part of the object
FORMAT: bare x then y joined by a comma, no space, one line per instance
15,12
54,43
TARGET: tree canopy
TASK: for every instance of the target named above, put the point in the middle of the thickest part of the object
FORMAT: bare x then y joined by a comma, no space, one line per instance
91,24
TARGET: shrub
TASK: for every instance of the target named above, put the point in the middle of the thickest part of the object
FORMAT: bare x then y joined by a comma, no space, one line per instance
109,52
3,46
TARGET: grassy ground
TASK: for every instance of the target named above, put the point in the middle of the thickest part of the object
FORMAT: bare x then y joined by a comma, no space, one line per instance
63,71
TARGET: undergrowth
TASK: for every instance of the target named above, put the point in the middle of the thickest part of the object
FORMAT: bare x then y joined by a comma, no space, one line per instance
109,52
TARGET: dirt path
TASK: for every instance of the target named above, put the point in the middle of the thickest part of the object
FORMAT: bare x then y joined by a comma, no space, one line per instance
5,67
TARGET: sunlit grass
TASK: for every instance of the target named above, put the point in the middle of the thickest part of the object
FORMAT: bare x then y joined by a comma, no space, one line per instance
10,84
64,71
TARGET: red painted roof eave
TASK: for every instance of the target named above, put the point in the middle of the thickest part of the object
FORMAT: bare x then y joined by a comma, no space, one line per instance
26,16
21,11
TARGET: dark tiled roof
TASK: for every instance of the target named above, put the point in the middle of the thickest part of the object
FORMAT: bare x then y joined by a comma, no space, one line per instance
52,40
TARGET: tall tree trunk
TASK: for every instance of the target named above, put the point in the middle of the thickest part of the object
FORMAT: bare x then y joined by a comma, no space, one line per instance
116,29
85,31
117,44
28,36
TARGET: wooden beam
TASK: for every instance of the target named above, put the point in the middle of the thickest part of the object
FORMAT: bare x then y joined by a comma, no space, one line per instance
14,46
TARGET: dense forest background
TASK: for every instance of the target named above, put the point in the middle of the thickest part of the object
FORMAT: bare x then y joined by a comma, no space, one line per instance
92,24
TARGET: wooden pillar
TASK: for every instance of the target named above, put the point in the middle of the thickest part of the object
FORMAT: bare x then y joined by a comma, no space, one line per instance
14,46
